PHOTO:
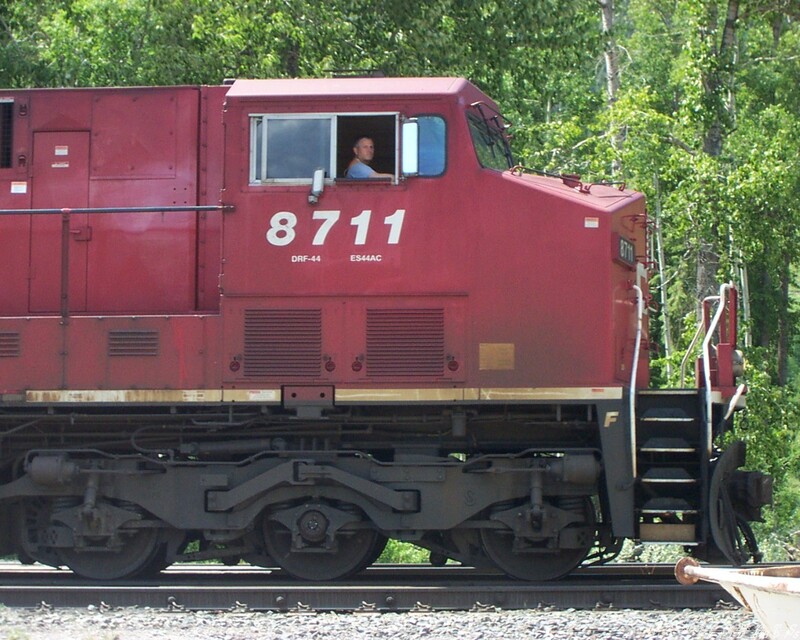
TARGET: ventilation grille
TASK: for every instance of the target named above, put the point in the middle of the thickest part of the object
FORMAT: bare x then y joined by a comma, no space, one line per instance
405,342
132,343
9,345
282,342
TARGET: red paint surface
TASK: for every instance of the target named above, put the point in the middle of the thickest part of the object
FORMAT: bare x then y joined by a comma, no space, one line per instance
505,259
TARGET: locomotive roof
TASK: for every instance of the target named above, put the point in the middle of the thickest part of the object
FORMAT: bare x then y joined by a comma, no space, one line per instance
364,87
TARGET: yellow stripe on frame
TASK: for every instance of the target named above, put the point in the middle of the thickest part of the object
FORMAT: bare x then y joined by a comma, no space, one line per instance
343,395
562,394
251,395
555,394
133,396
374,396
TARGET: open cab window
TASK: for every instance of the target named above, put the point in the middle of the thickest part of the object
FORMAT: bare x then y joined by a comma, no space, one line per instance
289,148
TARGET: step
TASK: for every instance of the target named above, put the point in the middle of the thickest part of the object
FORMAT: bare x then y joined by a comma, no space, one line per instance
672,506
692,391
667,445
676,419
667,532
671,512
668,404
667,475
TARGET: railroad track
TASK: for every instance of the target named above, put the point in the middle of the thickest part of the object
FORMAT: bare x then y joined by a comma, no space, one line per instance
379,589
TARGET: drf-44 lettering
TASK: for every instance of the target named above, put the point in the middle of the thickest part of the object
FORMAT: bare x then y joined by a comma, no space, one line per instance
282,226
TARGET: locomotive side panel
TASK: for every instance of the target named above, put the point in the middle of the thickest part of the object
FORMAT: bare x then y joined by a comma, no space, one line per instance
31,348
15,193
376,257
150,352
546,262
358,344
71,152
362,237
210,180
151,161
532,261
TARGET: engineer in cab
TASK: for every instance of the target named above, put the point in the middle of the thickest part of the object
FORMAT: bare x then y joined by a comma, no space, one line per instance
364,151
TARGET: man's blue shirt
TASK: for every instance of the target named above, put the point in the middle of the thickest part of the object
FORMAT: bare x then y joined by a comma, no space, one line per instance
359,170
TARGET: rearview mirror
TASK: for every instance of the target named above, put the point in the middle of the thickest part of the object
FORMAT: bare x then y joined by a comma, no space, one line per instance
410,148
317,186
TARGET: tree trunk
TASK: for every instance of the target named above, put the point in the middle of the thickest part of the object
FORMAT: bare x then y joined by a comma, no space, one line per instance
718,87
610,52
662,279
611,56
784,321
719,79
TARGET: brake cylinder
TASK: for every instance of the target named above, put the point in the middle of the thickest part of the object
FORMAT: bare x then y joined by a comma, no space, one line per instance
50,471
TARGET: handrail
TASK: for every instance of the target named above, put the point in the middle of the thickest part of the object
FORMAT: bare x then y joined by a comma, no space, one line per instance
706,350
735,400
66,214
81,210
689,350
634,372
694,340
706,360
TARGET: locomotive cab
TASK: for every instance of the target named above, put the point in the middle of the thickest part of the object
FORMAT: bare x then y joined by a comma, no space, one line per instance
556,262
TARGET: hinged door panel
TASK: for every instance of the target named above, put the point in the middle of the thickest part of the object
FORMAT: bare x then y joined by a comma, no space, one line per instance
60,181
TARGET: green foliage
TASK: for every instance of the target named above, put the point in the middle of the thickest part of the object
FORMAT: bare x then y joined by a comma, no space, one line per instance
769,428
710,132
397,552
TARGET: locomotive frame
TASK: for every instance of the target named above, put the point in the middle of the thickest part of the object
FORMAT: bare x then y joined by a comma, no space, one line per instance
213,345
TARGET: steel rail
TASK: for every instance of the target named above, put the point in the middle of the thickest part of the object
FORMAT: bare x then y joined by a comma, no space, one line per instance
380,590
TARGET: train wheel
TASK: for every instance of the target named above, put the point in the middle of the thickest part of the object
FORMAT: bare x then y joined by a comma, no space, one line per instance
377,549
159,560
527,559
731,532
305,542
33,523
135,556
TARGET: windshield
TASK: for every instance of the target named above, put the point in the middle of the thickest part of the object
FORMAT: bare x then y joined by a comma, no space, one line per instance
489,138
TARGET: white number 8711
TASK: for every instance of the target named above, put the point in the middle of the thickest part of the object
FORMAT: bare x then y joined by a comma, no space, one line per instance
282,225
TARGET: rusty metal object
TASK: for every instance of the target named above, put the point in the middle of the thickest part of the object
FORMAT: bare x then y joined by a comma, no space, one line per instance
771,593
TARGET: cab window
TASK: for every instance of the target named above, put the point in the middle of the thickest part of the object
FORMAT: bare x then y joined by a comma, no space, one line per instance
432,147
381,128
290,148
491,144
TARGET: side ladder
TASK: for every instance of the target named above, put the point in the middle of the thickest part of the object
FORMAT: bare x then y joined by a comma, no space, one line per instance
672,463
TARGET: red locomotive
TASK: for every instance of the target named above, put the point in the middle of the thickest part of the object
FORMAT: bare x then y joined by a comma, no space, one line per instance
214,344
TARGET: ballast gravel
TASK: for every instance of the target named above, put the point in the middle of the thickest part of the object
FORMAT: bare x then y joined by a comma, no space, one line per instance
149,624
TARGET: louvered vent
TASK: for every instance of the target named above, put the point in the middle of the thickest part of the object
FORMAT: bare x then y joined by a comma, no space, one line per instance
282,342
9,344
132,343
405,342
